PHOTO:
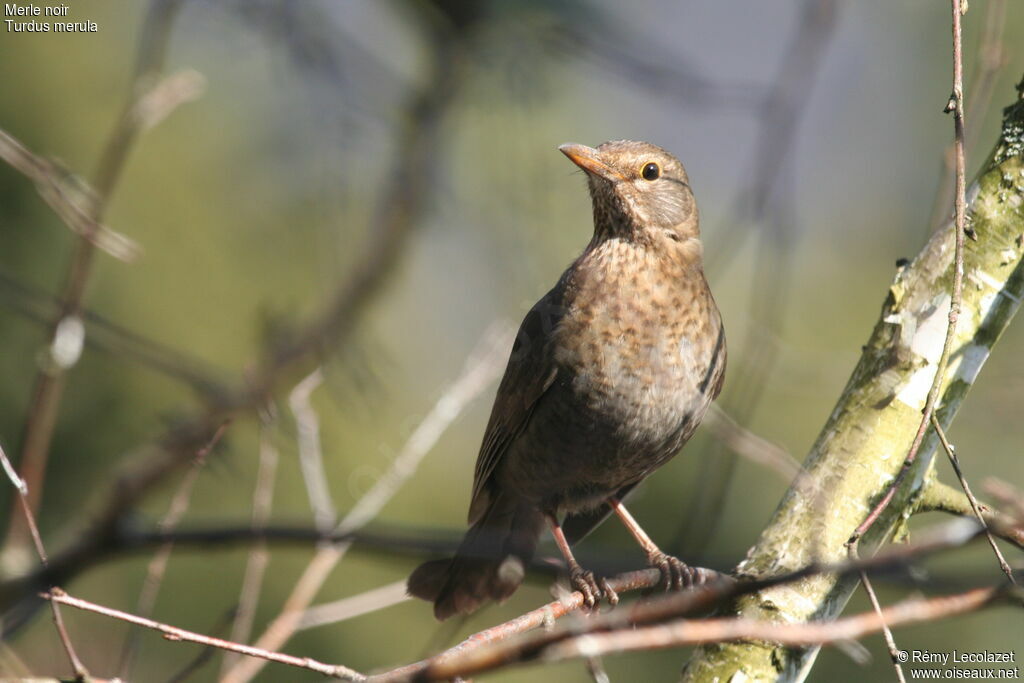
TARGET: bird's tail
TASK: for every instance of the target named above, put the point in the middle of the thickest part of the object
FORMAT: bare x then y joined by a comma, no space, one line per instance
489,564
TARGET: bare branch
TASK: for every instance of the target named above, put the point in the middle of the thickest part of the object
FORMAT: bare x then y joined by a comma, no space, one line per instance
101,333
354,606
544,615
975,506
510,642
174,633
262,500
19,483
402,200
158,563
883,625
956,106
81,673
743,441
311,456
482,367
940,497
695,632
65,194
49,381
879,414
167,95
990,59
1011,498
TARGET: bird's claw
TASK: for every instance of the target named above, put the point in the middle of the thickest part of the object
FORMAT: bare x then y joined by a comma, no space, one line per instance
609,593
675,574
593,589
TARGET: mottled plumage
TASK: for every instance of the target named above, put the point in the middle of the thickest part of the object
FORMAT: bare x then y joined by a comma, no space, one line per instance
611,372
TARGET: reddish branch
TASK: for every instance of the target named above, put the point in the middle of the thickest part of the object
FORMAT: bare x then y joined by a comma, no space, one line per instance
174,633
509,642
647,578
689,632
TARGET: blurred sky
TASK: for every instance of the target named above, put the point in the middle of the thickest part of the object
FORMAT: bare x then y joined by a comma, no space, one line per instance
253,202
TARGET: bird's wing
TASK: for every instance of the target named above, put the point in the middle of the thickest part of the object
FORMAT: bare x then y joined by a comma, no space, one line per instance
714,378
531,371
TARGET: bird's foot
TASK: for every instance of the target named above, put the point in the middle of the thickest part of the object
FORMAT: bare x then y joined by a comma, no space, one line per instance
609,593
675,574
592,588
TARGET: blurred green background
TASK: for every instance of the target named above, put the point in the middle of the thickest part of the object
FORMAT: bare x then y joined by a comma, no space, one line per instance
255,201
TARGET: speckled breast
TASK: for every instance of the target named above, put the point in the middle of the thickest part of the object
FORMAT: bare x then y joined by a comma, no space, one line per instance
642,355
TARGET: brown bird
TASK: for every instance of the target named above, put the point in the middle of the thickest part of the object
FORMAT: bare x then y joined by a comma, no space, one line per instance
610,374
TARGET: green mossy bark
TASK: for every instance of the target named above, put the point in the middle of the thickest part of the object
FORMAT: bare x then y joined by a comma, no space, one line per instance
868,434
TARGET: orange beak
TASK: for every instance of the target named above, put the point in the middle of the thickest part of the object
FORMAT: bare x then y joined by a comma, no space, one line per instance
589,159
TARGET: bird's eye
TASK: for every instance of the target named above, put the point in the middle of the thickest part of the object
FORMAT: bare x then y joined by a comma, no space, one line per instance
650,171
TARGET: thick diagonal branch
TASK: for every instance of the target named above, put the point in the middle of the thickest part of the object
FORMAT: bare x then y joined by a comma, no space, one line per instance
862,445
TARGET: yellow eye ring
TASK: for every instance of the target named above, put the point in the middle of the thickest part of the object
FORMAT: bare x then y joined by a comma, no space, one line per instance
650,171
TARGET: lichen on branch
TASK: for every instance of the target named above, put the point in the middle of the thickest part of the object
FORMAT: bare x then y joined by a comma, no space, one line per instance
863,444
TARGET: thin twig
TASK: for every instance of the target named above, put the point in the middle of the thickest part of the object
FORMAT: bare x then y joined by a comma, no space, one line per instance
939,497
174,633
158,563
403,198
40,307
167,95
393,540
400,202
1009,497
76,560
311,455
507,641
954,460
750,445
50,379
18,482
483,366
81,673
595,667
353,606
255,567
69,196
956,106
541,616
989,60
694,632
66,194
890,641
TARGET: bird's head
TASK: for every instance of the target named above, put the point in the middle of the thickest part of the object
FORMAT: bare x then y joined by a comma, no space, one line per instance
638,190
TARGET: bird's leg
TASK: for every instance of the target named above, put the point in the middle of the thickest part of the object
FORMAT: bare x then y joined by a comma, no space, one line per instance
675,573
580,579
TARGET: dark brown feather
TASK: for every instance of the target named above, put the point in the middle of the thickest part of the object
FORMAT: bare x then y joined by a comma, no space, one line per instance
611,372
